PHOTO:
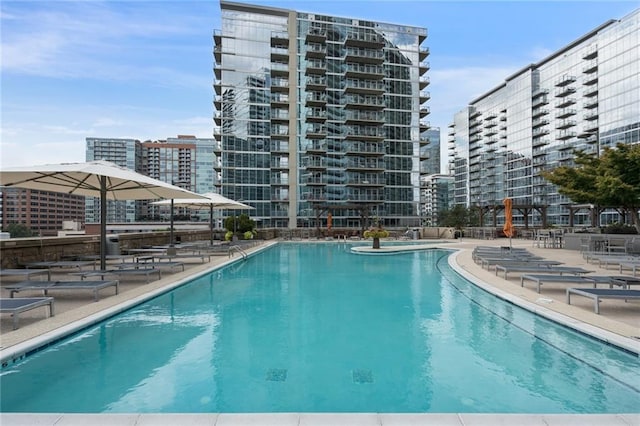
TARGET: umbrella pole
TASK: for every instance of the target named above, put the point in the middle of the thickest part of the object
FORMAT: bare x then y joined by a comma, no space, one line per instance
211,223
103,223
171,226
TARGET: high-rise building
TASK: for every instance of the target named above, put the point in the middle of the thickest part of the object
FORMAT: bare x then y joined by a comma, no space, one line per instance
319,114
125,153
437,191
585,96
184,161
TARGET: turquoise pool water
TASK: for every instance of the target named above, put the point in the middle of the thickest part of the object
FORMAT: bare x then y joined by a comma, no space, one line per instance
315,328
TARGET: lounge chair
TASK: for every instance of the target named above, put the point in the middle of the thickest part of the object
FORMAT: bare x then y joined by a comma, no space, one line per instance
539,279
541,269
602,293
489,262
25,273
102,273
16,306
47,286
634,266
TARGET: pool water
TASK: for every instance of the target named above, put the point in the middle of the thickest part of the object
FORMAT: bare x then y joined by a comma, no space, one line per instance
315,328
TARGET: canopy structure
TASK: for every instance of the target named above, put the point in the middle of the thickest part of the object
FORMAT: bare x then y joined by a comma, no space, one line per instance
210,200
101,179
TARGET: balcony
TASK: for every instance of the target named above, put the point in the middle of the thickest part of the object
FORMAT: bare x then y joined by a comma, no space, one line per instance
316,35
539,101
364,39
279,116
317,146
565,102
591,52
279,54
590,67
364,71
365,87
539,92
424,111
590,116
565,124
279,38
279,100
564,113
566,134
366,56
356,116
364,102
423,53
316,132
364,148
365,133
540,142
316,115
423,67
316,67
424,82
592,103
424,96
316,83
539,112
314,162
564,91
279,69
316,51
369,164
565,80
279,85
590,91
316,99
539,122
590,79
279,132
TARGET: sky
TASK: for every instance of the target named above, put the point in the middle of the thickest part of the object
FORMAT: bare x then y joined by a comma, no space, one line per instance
143,69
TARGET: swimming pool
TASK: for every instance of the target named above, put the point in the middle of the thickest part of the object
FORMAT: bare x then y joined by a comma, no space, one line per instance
315,328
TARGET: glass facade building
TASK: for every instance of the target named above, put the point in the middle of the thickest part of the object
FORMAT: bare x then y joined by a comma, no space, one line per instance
125,153
185,161
585,96
319,114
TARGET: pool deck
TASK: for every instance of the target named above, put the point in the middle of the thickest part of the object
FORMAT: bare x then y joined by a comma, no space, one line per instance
618,323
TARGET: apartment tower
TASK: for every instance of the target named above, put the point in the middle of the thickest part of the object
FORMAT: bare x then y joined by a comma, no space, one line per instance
320,114
585,96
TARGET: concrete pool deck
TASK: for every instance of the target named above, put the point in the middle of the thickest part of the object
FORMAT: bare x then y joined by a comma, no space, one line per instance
618,323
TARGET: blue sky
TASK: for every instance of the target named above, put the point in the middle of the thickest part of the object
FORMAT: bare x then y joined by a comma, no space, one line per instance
143,69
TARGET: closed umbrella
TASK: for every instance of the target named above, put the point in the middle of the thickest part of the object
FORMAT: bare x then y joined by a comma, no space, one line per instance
508,228
329,221
101,179
210,200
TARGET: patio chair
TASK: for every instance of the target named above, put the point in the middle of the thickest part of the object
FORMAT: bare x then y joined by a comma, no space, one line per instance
541,269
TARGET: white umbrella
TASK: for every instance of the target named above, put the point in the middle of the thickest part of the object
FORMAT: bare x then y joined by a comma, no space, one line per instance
101,179
210,200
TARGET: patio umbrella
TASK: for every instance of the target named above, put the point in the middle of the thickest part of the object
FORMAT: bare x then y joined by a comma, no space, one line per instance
508,228
210,200
101,179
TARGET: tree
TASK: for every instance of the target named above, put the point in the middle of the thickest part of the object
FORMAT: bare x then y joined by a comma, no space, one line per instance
457,217
19,230
240,224
613,179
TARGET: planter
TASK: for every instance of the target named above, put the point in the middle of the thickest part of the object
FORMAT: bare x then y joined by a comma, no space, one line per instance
376,243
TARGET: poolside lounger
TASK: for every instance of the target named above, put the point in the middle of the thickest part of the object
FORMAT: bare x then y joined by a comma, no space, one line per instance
489,262
633,266
25,272
62,264
624,281
16,306
602,293
558,270
170,257
539,279
47,286
102,273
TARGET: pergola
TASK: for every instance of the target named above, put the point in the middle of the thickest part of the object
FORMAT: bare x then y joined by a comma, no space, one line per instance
524,209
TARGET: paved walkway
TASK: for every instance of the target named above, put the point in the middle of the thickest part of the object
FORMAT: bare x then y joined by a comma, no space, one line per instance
618,321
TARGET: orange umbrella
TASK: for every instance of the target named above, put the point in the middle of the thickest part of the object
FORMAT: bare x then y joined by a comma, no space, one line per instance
329,221
508,229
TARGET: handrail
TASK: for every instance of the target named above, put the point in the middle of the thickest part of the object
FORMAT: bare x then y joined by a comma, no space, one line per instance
239,250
